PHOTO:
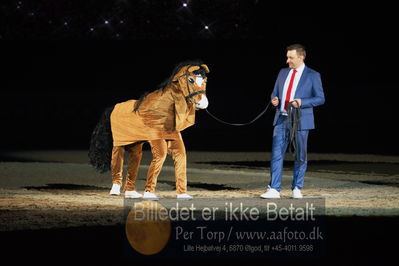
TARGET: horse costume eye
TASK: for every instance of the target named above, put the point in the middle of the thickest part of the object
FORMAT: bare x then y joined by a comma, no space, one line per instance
191,80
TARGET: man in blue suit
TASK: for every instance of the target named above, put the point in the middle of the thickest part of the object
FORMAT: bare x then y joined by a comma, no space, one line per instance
300,86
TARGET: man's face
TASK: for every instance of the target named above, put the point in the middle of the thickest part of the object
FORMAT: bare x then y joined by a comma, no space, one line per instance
293,59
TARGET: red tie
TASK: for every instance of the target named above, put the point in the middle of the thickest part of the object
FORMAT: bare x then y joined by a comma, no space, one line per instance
288,95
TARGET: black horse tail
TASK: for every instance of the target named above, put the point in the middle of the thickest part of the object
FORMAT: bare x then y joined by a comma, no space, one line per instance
101,143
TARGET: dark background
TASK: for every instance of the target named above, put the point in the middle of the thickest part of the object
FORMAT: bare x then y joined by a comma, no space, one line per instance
57,75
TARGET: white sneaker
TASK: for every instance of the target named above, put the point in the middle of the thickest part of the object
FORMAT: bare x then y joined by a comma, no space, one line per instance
115,190
184,196
296,193
132,194
149,196
271,193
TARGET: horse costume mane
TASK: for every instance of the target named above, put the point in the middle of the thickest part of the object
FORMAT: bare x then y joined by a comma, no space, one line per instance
164,85
160,114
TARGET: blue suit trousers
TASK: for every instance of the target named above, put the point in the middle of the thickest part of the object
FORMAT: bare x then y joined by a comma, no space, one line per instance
280,144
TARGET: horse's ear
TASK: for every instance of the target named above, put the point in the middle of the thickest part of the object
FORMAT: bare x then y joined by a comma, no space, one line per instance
191,69
179,73
205,67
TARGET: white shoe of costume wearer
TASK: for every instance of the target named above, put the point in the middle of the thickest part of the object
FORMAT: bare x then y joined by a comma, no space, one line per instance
149,196
271,193
184,196
115,190
132,194
296,193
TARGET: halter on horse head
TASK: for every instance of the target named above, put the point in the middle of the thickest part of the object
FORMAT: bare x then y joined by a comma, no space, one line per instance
192,80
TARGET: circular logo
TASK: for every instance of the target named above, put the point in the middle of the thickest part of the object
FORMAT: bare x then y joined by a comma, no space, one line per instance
148,227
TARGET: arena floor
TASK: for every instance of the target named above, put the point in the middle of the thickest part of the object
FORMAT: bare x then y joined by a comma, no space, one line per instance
49,194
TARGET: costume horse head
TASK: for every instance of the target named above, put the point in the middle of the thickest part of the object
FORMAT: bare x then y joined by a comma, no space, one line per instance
157,116
192,79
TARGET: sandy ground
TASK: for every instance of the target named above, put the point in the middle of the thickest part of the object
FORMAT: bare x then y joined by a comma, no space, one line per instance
55,189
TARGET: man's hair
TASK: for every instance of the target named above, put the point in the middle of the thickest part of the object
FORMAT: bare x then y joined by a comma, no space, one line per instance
299,48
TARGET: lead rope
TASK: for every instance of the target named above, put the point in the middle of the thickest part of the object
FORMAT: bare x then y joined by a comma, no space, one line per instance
238,124
294,120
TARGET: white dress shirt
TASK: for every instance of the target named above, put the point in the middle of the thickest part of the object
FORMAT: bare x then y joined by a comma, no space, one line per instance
294,86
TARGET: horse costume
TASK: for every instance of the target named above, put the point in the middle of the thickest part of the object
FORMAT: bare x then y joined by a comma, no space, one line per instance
156,118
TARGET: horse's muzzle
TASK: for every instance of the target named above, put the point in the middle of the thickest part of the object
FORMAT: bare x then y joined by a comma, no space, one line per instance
203,103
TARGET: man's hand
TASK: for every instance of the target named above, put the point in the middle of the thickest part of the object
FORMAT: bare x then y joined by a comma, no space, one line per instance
275,101
296,103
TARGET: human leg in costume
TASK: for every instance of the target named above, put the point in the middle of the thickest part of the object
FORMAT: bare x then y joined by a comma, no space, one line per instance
118,153
177,150
135,154
159,149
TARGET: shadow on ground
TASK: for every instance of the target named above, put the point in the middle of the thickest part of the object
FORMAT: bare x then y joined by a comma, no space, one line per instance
318,166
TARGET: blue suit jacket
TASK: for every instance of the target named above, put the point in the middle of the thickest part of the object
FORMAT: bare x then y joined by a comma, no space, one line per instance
309,90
